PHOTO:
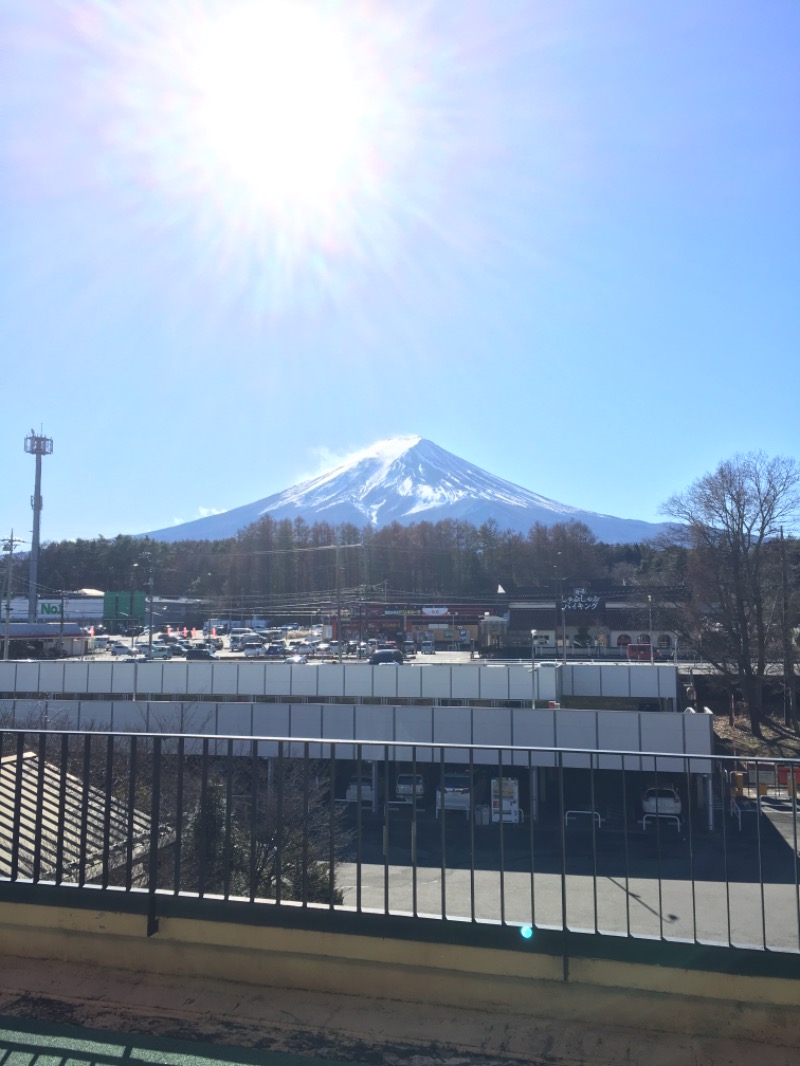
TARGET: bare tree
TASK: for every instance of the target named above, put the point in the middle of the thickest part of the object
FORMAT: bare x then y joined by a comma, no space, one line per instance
732,520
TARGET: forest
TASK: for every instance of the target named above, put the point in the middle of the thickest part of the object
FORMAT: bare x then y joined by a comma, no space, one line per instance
289,561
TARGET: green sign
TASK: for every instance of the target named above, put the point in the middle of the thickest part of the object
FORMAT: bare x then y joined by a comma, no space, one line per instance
124,606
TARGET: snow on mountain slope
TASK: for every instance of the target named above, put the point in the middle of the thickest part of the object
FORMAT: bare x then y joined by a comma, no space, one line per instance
406,480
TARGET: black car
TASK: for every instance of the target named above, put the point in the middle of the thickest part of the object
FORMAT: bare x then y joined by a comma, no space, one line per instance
386,655
200,653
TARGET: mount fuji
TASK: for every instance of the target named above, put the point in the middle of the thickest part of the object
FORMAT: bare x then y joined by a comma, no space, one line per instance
407,480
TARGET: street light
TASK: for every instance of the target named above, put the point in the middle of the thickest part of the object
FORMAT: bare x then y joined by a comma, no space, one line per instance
650,609
533,646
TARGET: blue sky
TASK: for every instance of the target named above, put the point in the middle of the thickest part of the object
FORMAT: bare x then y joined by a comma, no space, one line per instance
243,240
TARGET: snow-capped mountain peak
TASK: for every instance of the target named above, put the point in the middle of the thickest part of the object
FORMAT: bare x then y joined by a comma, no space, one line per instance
406,480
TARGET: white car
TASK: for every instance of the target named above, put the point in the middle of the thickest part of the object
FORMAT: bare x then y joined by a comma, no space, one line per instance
409,787
663,800
253,649
456,795
121,649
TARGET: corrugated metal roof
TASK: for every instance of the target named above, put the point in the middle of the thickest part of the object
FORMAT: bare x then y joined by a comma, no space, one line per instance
42,630
59,820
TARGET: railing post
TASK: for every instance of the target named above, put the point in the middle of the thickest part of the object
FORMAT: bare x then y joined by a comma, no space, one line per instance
155,817
563,834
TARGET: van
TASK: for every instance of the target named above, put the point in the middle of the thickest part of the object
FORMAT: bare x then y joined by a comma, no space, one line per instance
162,651
643,652
409,647
427,647
239,635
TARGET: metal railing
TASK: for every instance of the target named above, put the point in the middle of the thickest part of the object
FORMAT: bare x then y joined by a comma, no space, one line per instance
528,837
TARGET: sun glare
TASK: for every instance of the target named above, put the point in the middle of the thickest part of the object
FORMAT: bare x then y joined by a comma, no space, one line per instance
268,143
281,111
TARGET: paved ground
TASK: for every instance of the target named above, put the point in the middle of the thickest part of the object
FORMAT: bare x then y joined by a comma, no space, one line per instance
60,1014
25,1042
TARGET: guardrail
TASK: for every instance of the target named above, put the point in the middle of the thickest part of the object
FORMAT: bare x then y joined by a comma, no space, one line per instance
265,821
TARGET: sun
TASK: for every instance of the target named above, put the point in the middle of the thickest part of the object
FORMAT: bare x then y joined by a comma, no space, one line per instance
279,150
279,105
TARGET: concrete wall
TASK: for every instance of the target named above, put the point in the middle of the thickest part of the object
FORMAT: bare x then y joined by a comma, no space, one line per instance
152,697
495,727
594,1000
322,681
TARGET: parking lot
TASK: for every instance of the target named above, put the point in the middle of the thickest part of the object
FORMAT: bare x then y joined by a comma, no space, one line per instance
726,885
296,647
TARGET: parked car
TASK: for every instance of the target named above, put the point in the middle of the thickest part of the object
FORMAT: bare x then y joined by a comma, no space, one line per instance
643,652
409,787
201,653
385,657
135,657
427,647
253,649
159,651
454,793
120,649
663,800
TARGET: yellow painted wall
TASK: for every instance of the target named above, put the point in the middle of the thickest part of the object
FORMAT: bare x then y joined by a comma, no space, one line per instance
598,992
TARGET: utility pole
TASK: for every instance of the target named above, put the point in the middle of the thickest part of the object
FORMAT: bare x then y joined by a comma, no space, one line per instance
9,548
338,601
36,445
148,558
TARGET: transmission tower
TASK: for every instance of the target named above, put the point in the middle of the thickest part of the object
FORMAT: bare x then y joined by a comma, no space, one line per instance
37,445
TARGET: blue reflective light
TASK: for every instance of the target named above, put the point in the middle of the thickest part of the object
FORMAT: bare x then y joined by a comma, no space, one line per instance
527,932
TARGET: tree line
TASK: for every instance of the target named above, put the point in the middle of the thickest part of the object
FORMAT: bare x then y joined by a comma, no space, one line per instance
285,559
733,550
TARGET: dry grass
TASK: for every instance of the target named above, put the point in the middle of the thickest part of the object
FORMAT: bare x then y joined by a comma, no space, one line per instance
778,741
